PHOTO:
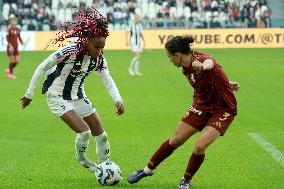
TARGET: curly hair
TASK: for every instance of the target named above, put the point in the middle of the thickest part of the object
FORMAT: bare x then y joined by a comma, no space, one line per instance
88,23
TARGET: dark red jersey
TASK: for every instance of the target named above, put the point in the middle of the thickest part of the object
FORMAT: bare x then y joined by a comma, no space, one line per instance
212,90
13,36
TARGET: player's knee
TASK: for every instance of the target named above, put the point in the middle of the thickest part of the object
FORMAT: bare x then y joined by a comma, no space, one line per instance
175,142
199,148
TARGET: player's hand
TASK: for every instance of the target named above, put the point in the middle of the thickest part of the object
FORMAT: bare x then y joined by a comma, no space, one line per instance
198,66
25,102
234,85
120,107
11,48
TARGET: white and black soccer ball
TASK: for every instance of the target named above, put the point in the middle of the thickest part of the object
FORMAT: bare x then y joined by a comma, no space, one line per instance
108,173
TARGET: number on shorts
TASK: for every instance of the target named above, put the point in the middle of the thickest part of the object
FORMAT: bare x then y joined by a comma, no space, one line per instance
225,115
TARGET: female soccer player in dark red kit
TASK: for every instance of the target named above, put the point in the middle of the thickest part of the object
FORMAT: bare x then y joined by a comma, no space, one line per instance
66,70
212,111
13,38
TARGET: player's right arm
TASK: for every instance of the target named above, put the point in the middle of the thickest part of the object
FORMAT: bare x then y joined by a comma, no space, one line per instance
48,63
8,38
43,67
127,36
142,37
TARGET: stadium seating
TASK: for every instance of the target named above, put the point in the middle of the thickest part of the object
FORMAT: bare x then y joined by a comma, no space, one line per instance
154,13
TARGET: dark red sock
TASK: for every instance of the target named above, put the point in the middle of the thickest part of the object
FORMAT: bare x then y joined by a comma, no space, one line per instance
11,67
162,153
193,165
15,64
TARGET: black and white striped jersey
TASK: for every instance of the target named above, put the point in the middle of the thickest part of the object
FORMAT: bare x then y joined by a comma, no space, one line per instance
135,33
66,72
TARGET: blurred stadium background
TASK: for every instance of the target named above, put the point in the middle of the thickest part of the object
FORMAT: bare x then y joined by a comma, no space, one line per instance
245,36
38,15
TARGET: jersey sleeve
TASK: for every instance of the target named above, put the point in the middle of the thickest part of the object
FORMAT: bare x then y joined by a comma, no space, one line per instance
109,83
48,63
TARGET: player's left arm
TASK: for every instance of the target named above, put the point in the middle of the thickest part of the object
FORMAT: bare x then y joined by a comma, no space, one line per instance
142,36
143,39
112,89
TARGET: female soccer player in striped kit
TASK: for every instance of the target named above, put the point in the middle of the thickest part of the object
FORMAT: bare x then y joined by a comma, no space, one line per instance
136,34
213,109
66,70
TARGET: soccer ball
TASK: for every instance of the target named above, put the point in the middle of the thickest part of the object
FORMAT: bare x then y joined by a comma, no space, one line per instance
108,173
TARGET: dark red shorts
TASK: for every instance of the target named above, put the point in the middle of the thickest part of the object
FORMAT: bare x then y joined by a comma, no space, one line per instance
12,51
220,120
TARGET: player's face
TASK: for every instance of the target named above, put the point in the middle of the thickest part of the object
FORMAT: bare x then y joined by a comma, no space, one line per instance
95,46
137,19
14,22
175,59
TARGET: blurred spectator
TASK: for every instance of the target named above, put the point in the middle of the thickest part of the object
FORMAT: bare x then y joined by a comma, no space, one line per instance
42,14
31,25
160,19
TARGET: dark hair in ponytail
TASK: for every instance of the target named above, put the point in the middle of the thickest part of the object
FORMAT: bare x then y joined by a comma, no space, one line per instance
179,44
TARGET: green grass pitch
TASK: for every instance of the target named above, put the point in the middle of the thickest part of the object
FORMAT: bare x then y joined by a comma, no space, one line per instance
37,149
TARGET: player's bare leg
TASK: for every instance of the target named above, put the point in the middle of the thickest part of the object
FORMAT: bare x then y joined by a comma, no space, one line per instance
17,58
182,134
76,123
102,144
208,136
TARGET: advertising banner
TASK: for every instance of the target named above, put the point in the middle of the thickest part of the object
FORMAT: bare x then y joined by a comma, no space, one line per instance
204,38
221,38
27,37
43,40
156,38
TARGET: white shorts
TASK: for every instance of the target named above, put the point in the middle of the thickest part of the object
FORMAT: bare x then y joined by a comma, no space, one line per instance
135,48
59,106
